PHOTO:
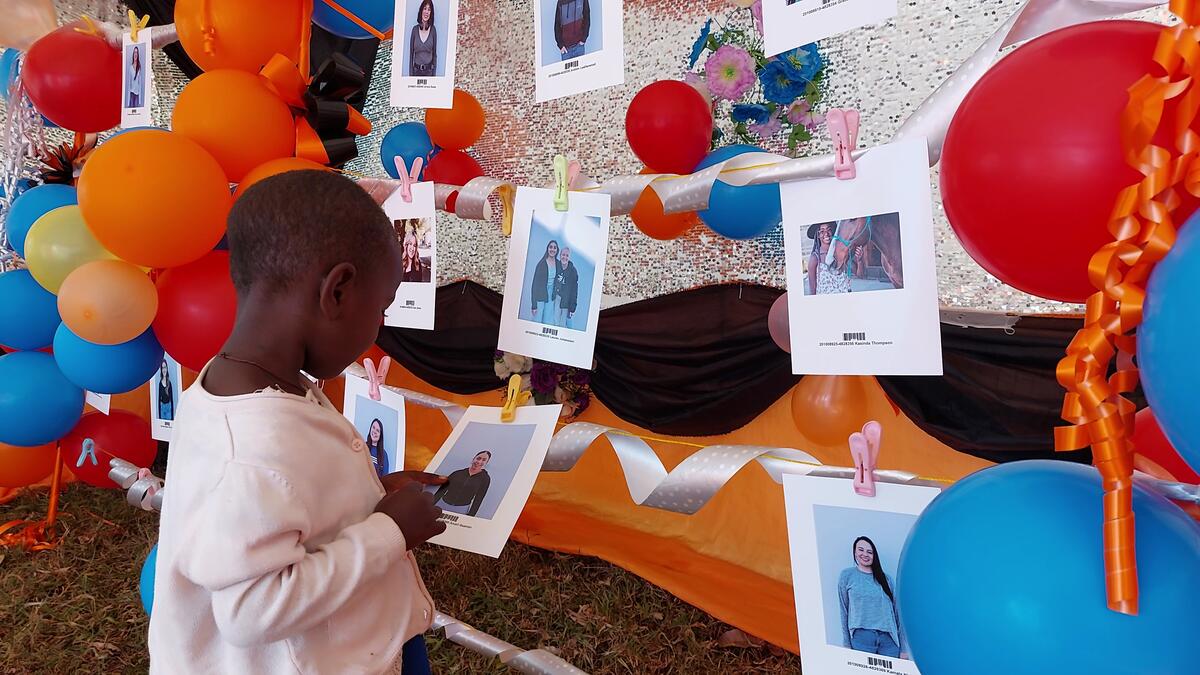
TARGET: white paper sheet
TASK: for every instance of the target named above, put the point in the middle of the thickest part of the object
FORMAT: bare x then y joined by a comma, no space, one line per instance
550,313
579,46
410,86
825,520
492,466
791,23
875,306
416,228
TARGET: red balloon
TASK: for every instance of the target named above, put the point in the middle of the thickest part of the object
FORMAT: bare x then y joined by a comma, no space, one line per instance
669,126
1150,442
452,167
196,308
75,80
1033,161
121,434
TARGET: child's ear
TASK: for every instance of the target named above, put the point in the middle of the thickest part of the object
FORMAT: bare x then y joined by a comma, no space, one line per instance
334,287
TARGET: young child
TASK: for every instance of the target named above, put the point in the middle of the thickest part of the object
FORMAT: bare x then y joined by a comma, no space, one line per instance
280,550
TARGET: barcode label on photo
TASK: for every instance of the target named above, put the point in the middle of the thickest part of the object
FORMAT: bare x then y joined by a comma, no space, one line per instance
570,64
422,81
410,303
882,663
860,337
449,517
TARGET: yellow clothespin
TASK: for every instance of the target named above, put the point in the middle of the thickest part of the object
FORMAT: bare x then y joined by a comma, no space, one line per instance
91,27
135,25
564,176
515,398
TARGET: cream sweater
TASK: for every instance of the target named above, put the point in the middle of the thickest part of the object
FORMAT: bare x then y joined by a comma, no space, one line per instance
270,556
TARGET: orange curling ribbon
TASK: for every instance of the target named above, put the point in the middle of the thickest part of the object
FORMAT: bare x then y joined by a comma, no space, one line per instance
357,21
36,535
1143,232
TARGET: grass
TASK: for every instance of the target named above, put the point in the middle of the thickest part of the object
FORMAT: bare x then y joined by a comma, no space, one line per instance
76,609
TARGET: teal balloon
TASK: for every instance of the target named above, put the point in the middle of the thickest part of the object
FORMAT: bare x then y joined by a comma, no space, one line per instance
33,204
378,14
32,311
409,141
742,212
107,369
1167,340
38,404
146,580
1003,573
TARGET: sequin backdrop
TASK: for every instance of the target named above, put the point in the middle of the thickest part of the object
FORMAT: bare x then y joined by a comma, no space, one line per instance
883,71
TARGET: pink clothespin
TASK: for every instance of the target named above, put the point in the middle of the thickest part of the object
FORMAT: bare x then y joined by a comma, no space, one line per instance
843,126
150,492
407,178
376,377
864,450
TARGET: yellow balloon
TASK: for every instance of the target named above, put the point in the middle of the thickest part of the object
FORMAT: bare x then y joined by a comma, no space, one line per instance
58,243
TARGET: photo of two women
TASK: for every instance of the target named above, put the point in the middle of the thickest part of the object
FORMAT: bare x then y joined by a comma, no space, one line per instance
559,272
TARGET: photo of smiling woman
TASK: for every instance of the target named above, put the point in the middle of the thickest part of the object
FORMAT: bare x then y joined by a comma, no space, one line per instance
870,622
821,278
566,289
166,393
376,446
422,43
542,290
465,489
135,76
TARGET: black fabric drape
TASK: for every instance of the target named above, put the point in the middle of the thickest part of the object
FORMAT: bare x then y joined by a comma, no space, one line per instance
701,362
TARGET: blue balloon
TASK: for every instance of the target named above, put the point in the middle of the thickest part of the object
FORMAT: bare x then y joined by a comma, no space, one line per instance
38,404
125,131
33,204
8,70
146,580
740,212
1004,573
410,141
1166,339
378,14
107,369
32,311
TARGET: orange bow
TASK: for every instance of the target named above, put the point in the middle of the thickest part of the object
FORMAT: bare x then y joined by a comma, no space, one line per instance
1143,232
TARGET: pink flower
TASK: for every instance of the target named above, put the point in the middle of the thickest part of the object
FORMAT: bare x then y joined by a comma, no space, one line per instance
697,83
800,113
768,129
756,10
729,72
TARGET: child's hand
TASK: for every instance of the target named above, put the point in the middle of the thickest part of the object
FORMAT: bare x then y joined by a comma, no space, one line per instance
397,480
414,513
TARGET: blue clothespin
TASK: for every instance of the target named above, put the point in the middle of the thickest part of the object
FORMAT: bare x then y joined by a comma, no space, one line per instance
88,451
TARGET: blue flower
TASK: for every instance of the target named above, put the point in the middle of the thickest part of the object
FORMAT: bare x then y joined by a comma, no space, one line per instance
803,62
700,43
750,113
780,84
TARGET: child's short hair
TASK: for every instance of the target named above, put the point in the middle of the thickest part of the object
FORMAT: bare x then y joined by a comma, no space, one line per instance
295,220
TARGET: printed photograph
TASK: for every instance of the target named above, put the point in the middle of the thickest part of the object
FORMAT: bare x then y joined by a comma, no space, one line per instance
379,425
166,391
858,553
137,62
480,468
857,255
426,29
416,236
560,269
570,29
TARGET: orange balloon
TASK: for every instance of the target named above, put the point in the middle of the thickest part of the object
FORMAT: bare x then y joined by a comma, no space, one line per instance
648,216
274,168
108,302
828,408
239,34
234,116
20,466
459,127
154,198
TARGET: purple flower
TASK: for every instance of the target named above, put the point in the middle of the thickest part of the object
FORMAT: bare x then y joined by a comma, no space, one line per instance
581,402
729,72
756,10
801,114
769,128
543,379
581,377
